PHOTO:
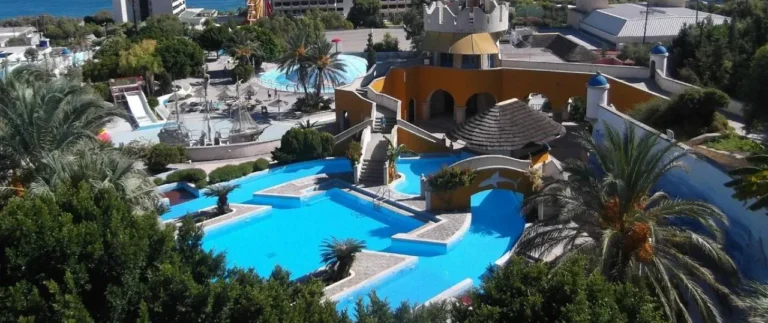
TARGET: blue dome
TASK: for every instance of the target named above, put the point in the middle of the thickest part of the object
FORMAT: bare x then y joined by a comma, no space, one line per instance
597,80
658,50
66,51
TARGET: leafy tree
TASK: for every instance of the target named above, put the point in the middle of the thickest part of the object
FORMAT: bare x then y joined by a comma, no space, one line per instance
101,17
86,255
107,60
338,256
180,57
288,26
244,47
370,52
365,13
142,59
413,23
609,213
31,54
330,20
41,115
578,109
698,107
756,87
303,144
16,41
324,65
388,43
212,38
158,27
750,182
160,155
242,72
221,192
638,53
527,292
354,152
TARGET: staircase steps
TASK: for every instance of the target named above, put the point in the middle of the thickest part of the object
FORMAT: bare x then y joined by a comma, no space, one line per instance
389,123
372,172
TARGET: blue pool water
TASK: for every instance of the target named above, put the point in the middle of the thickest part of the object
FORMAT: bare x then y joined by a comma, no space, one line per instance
291,237
413,168
258,182
277,79
496,226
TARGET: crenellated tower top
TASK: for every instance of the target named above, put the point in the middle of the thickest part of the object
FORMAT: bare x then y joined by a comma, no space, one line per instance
466,16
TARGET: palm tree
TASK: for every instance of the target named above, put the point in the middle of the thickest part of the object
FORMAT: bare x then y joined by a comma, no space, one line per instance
393,154
306,125
756,302
752,182
295,58
242,47
338,255
99,166
221,192
324,65
39,115
608,213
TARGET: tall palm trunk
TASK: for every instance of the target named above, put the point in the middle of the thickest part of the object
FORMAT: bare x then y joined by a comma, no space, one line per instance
319,82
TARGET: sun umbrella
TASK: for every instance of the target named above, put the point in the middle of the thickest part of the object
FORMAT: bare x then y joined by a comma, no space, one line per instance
278,103
250,89
224,95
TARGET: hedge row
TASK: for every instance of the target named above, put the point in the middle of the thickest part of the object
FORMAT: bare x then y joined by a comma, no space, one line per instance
195,176
230,172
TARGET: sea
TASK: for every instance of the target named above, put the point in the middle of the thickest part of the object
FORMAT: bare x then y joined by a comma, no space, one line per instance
82,8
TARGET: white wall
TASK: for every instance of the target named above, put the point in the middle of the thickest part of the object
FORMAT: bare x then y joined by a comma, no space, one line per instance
448,18
747,236
612,70
676,87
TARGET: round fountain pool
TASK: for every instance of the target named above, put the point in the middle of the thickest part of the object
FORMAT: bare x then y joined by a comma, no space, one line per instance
277,79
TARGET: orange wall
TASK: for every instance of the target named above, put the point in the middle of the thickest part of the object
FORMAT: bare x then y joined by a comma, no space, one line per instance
357,108
420,82
418,144
460,199
377,84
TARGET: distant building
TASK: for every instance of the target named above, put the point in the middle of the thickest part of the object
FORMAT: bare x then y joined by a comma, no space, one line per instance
299,7
626,22
123,10
27,34
196,17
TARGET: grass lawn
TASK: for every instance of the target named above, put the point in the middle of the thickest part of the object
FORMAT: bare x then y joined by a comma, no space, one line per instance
736,144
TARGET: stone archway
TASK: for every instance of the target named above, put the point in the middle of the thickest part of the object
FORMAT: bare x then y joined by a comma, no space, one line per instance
410,115
479,102
441,104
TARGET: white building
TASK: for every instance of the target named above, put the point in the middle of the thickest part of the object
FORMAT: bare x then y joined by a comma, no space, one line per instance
123,10
27,34
626,22
298,7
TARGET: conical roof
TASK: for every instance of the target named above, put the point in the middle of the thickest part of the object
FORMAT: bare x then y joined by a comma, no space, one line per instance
508,126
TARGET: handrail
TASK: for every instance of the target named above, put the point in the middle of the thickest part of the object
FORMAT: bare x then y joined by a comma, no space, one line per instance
421,132
492,160
353,130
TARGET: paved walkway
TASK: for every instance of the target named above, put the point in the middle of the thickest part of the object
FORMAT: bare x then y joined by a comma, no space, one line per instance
368,265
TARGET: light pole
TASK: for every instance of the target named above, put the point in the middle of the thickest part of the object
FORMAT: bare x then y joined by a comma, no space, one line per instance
207,106
647,12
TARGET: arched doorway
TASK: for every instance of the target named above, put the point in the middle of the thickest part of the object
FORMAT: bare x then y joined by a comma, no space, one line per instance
441,104
653,68
345,121
411,115
479,102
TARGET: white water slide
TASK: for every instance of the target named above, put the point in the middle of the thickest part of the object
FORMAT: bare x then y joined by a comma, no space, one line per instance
140,109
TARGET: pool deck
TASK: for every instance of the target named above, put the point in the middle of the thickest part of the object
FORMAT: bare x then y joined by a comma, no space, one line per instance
369,266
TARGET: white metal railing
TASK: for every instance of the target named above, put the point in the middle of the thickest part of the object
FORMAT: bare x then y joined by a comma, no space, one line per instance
382,194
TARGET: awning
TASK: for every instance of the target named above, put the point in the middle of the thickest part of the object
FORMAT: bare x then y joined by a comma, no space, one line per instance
458,43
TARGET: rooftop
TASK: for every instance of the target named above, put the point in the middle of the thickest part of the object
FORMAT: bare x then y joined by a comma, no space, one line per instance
628,20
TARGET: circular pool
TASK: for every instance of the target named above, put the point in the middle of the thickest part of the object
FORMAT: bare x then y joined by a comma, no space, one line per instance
354,67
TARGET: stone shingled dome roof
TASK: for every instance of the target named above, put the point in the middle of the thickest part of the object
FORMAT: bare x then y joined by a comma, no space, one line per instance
507,126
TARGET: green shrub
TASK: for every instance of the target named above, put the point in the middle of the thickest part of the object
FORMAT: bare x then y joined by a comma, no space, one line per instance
303,144
578,109
732,142
242,72
354,152
160,155
158,181
152,101
688,114
719,123
229,172
195,176
451,178
260,165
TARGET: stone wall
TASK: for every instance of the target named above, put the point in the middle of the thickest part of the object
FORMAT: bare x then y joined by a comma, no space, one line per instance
248,149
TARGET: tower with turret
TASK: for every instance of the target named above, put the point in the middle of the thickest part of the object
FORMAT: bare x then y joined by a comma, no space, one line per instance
465,34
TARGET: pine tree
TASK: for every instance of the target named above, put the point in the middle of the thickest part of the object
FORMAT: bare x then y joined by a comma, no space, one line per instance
370,52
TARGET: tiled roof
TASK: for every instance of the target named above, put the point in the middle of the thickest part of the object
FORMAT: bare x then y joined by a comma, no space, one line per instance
506,127
628,20
563,47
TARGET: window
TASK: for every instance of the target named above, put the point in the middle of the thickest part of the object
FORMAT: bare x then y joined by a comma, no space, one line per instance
491,61
446,60
470,61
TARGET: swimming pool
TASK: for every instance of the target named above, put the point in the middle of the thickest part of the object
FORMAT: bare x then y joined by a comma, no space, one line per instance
291,237
277,79
413,168
495,228
259,181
